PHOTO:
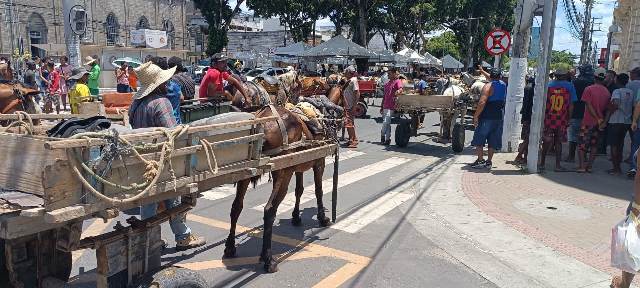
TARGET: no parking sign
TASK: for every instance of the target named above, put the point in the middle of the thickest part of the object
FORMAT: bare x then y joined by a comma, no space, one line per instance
497,42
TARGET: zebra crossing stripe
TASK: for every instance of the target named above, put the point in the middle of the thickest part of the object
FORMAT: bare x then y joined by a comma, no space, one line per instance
345,179
367,214
230,190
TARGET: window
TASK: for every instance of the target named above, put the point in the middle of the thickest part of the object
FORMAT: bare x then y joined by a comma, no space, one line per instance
143,23
37,33
271,73
112,30
167,25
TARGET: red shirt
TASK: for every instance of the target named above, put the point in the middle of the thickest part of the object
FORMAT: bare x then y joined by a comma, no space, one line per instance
213,76
54,78
598,96
557,112
390,89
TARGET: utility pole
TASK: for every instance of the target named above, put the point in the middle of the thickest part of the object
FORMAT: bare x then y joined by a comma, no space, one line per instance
362,22
524,13
542,77
591,49
473,30
74,20
586,32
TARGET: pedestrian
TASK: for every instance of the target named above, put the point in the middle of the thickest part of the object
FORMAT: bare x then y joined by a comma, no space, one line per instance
94,74
52,96
79,92
488,119
182,77
526,111
596,98
561,96
213,82
351,95
29,76
65,71
122,78
44,76
422,86
173,93
634,85
619,118
151,108
392,89
133,79
584,80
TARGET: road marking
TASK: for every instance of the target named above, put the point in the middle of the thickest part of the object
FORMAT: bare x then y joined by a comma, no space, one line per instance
230,190
242,261
369,213
356,263
344,179
96,228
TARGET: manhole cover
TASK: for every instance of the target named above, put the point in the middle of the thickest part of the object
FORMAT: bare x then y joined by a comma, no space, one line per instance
552,208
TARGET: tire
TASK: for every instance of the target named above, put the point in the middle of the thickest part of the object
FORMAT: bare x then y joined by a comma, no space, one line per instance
403,133
175,277
360,110
457,139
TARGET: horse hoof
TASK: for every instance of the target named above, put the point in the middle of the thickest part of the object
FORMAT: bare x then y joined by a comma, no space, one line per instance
229,252
271,267
296,221
325,222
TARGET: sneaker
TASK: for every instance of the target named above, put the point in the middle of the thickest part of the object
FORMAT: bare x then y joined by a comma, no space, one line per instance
488,165
387,142
190,242
631,173
478,164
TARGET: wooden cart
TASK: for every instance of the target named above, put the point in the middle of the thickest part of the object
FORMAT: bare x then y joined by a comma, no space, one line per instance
46,193
412,106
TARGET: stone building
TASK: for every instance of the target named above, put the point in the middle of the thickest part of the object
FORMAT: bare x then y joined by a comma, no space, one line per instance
626,42
110,22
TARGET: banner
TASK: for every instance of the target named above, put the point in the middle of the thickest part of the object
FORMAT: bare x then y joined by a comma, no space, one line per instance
149,38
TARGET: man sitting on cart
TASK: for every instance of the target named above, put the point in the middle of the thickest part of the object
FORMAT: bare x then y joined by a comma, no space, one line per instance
151,108
488,119
214,81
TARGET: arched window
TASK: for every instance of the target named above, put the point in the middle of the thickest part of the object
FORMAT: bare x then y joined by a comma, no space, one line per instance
167,25
143,23
112,29
37,33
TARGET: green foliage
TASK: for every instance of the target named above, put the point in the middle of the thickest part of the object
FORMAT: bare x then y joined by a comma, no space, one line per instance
297,15
562,59
218,14
445,43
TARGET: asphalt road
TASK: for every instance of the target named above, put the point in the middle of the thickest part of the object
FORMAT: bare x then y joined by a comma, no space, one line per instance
373,244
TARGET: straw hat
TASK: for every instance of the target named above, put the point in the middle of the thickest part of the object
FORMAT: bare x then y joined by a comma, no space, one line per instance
77,73
150,76
89,60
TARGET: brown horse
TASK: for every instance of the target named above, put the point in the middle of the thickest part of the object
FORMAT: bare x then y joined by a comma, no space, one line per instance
313,86
15,96
294,129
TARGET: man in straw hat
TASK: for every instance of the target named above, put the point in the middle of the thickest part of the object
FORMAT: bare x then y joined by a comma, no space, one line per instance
559,107
94,74
79,92
151,108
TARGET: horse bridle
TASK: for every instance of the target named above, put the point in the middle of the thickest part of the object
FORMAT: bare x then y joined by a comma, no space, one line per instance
20,100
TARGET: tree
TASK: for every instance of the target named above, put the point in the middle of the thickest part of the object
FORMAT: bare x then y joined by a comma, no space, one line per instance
443,44
218,15
562,59
298,16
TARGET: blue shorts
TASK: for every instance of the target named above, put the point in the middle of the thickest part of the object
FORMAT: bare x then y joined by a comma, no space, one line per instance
574,130
488,132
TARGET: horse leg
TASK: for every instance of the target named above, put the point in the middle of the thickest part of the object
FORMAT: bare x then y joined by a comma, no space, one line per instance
236,209
318,171
280,185
295,215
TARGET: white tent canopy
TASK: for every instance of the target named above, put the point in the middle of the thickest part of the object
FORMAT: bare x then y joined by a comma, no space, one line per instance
448,62
292,50
432,60
338,46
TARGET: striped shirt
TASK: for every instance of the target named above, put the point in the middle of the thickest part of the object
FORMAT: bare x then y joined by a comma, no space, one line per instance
187,85
151,111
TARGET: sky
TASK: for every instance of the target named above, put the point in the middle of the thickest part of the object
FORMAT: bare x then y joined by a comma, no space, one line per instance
562,38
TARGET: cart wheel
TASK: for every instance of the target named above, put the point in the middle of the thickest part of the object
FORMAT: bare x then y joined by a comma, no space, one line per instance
175,277
403,133
360,110
457,139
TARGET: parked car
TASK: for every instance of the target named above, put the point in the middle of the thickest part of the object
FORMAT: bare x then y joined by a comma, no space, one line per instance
271,71
198,73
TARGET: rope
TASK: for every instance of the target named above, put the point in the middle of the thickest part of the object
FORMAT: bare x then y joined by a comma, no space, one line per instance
208,150
153,168
27,125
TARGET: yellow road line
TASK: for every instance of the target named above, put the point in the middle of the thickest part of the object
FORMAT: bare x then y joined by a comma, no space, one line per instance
225,263
341,275
96,228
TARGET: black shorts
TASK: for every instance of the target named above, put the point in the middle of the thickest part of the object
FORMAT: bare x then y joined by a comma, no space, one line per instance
616,133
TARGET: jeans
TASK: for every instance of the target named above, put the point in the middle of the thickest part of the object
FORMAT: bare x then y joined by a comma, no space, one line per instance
123,88
178,224
489,131
635,144
386,123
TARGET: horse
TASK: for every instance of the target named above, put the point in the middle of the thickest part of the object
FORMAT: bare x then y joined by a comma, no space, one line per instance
15,96
313,86
288,125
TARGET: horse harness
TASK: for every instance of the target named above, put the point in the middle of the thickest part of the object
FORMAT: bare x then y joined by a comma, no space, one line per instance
15,102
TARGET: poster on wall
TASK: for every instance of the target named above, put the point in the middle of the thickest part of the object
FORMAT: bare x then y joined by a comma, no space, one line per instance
148,38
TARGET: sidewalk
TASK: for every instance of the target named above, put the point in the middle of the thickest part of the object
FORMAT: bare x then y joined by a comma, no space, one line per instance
529,230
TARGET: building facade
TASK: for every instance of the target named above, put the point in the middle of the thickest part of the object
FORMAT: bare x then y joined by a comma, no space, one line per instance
626,42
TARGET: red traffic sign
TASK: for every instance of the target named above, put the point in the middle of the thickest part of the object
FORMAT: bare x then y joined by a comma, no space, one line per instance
497,42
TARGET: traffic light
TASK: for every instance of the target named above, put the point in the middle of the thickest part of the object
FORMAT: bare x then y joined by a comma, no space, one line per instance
78,20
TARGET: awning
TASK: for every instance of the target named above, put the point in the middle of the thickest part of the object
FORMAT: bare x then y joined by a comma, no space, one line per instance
338,46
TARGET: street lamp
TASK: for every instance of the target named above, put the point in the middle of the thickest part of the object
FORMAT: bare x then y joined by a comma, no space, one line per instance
612,29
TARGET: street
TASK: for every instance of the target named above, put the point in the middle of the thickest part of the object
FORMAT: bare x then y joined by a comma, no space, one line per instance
403,221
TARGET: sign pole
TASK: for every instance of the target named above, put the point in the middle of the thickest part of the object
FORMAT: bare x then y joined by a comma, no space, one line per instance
71,37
